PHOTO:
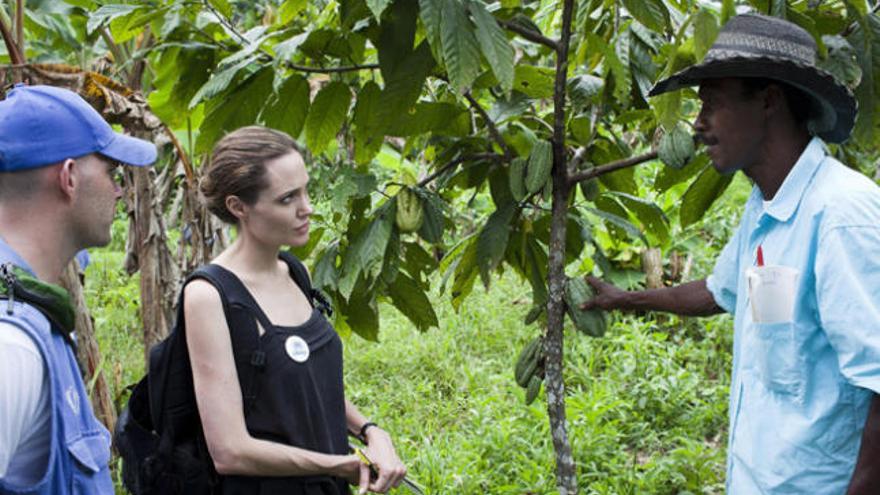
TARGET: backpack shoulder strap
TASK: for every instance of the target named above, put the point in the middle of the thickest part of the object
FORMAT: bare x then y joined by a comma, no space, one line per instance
301,277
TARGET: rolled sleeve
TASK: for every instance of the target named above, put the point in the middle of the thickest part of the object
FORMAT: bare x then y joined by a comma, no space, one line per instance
848,296
722,283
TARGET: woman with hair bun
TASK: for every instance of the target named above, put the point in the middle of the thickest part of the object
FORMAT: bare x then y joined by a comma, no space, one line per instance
292,438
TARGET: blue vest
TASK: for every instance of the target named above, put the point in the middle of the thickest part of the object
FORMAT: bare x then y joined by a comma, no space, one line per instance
79,452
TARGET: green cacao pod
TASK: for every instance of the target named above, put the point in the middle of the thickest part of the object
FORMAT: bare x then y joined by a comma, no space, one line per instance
517,178
539,167
676,147
527,363
533,388
591,322
409,211
533,314
590,189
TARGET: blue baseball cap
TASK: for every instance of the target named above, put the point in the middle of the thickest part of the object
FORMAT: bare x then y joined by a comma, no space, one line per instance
42,125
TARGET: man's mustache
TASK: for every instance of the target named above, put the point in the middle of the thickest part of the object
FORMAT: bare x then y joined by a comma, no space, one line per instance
703,139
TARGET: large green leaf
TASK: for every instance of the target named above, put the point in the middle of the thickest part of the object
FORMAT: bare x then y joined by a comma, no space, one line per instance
728,10
705,32
492,240
651,13
289,10
461,52
237,108
615,220
425,117
219,82
494,44
289,106
404,85
696,201
668,177
180,73
648,213
841,61
365,255
431,13
377,7
536,82
866,41
368,137
410,299
465,272
361,313
435,220
326,115
536,261
396,38
107,13
325,274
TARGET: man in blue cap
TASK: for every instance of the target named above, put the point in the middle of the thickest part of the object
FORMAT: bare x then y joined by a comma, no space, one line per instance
801,274
58,194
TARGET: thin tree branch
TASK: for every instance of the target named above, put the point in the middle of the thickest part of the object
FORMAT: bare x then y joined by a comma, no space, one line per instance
19,26
15,56
118,55
566,471
329,70
493,129
611,167
458,161
528,34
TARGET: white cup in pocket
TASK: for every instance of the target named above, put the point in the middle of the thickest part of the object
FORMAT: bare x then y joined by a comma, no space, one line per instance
771,293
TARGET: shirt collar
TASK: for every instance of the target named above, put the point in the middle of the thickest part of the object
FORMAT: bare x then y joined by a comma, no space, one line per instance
7,254
789,195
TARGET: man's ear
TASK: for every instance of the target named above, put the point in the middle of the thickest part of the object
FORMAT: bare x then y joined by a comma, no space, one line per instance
67,178
236,206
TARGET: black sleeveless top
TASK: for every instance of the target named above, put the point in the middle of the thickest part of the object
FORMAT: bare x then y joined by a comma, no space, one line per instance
297,396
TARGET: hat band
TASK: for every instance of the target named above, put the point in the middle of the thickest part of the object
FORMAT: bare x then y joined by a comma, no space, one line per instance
757,45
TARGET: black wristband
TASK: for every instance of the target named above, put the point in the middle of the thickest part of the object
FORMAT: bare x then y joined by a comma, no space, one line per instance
362,434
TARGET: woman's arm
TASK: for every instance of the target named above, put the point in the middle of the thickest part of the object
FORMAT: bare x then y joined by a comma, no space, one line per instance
218,395
379,449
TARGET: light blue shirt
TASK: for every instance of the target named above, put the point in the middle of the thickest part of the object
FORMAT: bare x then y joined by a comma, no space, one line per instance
800,390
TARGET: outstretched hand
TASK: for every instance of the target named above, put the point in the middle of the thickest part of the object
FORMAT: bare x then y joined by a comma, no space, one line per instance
607,296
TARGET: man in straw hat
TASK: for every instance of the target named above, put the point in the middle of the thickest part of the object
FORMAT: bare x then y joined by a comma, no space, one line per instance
801,274
58,195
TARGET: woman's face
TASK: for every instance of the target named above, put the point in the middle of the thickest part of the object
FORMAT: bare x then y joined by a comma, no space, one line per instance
280,215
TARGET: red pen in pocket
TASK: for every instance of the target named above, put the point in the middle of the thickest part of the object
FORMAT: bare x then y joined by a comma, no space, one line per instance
760,256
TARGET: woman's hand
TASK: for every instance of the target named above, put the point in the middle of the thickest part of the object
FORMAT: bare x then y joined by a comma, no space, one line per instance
355,472
380,451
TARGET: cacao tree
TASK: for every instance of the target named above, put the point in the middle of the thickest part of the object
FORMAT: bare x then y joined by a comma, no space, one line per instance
451,139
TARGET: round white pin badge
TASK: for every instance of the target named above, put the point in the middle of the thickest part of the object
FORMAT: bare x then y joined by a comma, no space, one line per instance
297,349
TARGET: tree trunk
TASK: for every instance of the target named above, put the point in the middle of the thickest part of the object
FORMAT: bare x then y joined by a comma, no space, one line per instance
566,472
157,275
652,265
87,352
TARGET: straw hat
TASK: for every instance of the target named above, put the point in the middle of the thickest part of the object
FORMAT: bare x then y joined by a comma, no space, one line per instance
752,45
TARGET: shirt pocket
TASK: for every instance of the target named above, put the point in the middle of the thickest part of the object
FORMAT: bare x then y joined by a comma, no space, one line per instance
91,455
778,360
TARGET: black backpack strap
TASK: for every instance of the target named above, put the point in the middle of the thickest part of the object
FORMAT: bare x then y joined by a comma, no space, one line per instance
244,334
301,277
